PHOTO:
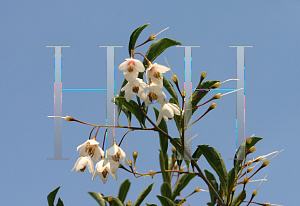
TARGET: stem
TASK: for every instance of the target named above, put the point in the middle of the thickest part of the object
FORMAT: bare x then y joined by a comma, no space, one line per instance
91,132
200,174
104,139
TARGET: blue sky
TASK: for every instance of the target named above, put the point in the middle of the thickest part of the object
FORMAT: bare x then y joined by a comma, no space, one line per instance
27,89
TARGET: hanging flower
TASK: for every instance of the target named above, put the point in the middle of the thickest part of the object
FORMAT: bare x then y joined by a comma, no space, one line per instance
115,154
131,69
90,147
81,164
103,170
154,72
137,86
154,93
167,111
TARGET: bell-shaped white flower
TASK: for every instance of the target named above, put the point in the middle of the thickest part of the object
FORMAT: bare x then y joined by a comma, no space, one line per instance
167,111
154,72
81,164
137,86
116,154
103,170
131,69
154,92
90,147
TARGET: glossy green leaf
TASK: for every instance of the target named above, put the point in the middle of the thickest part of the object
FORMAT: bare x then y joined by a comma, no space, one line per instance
169,87
231,176
163,161
239,156
51,196
186,147
181,184
134,36
115,202
163,140
197,154
216,162
157,47
133,107
150,204
177,201
123,190
171,161
178,119
239,198
121,107
143,195
98,197
59,202
196,98
165,201
166,190
211,178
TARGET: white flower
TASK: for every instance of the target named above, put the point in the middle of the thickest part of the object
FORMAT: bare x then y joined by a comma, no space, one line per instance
154,72
137,86
154,93
103,170
90,147
131,69
115,153
167,111
81,164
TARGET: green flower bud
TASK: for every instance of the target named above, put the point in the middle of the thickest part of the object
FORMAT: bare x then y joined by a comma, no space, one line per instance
252,149
254,192
248,140
68,118
216,85
134,155
197,189
217,96
203,74
250,169
128,203
213,106
110,198
174,78
173,149
265,163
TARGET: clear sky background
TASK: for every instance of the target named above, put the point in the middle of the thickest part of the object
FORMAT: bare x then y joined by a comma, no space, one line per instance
272,76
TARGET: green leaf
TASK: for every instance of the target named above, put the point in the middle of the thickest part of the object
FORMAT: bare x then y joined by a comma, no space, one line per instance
157,47
177,201
115,202
134,36
123,190
197,154
143,195
60,202
181,184
216,162
211,178
178,119
145,108
239,156
133,107
238,200
98,197
165,201
121,107
51,196
150,204
162,138
231,176
163,160
186,147
171,161
169,87
196,98
166,190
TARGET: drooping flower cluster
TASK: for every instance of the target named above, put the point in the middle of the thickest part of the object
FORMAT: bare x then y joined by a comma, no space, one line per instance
154,76
105,166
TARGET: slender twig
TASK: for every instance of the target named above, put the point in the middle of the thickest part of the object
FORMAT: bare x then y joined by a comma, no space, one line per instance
104,139
123,137
91,132
200,174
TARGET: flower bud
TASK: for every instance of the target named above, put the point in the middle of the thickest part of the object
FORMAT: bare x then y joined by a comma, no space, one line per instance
233,189
213,106
197,189
183,93
265,163
181,168
249,163
110,199
254,193
216,85
128,203
203,74
151,172
248,140
267,204
134,155
68,118
250,169
246,179
130,162
152,37
173,149
259,159
252,149
217,96
174,78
